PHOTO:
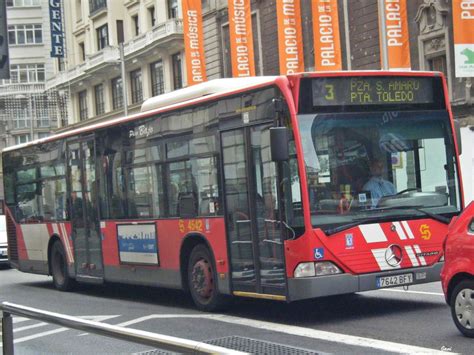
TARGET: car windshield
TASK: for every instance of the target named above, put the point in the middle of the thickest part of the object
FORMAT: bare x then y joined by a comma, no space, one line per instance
380,166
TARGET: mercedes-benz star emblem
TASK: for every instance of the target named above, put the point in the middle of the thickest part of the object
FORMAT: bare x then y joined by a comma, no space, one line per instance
394,255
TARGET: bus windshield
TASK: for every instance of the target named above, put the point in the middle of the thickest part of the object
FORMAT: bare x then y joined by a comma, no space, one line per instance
378,166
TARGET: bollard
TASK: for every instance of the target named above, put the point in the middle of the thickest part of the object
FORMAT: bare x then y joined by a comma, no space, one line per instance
7,336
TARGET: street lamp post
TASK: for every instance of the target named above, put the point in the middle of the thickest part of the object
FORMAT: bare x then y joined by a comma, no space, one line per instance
383,34
30,112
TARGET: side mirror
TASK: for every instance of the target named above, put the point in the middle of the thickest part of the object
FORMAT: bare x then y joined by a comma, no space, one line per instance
279,144
457,130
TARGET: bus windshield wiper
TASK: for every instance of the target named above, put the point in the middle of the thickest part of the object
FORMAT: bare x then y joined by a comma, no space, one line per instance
435,216
360,221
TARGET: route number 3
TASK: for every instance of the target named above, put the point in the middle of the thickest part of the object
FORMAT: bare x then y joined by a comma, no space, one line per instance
329,92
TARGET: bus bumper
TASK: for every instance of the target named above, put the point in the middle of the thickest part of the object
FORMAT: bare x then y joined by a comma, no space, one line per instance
312,287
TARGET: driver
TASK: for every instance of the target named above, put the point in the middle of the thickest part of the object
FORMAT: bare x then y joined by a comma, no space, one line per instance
377,185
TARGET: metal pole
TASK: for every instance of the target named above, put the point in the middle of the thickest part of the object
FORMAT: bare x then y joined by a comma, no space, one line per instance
383,34
347,35
124,80
161,341
7,333
30,112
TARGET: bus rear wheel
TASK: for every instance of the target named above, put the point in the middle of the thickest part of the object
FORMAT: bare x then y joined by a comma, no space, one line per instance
61,279
202,280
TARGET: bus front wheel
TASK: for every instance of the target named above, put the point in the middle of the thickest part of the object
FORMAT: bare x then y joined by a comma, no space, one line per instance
202,280
61,279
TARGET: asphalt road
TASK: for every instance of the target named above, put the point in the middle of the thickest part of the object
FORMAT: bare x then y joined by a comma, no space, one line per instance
385,321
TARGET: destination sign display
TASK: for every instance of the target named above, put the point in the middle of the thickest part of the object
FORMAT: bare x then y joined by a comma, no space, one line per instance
350,91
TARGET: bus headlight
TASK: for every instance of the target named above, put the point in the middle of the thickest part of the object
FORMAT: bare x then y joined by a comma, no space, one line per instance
326,268
305,270
316,269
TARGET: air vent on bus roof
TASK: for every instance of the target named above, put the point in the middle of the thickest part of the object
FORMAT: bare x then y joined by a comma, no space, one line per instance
216,86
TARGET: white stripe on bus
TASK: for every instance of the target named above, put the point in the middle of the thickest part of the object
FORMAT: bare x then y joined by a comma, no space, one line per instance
379,255
421,258
408,230
373,233
412,256
400,231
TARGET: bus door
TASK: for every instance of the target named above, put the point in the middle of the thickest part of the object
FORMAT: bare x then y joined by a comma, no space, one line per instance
83,207
252,218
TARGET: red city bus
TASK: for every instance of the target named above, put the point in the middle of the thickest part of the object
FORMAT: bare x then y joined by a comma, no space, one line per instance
283,188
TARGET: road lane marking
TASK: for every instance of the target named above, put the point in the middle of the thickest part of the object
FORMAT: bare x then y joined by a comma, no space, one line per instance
19,319
39,335
351,340
415,292
16,330
54,331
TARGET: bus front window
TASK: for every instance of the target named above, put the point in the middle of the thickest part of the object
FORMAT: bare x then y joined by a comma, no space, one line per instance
378,165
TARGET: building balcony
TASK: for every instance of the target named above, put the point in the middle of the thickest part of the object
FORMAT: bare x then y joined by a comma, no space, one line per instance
160,36
8,89
96,6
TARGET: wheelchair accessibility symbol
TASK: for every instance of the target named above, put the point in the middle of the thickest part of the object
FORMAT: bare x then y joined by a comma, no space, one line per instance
318,253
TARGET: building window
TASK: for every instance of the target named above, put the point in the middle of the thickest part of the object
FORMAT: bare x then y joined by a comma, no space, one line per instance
23,3
96,5
102,37
43,134
136,86
83,115
43,120
157,79
99,99
136,25
27,73
117,93
22,116
25,34
24,138
177,74
172,8
152,16
82,51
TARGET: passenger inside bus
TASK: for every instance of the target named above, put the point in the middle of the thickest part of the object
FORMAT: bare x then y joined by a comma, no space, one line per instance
377,185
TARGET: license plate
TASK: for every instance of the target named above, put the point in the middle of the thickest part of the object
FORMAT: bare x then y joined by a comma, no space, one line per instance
395,280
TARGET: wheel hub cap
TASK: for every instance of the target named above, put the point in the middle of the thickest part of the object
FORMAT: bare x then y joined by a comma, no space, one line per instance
464,308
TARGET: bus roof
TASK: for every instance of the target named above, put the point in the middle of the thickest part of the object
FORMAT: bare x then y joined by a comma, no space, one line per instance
216,86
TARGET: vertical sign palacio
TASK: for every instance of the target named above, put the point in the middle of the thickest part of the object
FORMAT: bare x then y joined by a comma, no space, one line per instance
290,38
398,39
194,42
241,39
463,28
57,34
327,42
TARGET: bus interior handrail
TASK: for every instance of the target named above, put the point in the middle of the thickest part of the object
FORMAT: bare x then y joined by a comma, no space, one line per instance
160,341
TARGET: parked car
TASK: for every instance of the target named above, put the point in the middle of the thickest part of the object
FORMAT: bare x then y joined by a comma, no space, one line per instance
457,275
3,242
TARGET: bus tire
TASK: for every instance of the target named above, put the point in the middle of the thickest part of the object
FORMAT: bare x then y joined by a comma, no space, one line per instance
61,279
202,280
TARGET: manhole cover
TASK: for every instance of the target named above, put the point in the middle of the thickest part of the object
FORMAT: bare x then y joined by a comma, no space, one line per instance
254,346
